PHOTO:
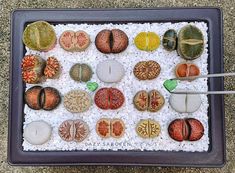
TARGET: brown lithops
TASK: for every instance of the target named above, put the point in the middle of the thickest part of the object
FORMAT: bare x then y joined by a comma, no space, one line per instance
187,69
52,68
186,129
111,41
32,69
81,72
106,128
77,101
152,101
47,98
147,70
74,41
73,130
148,128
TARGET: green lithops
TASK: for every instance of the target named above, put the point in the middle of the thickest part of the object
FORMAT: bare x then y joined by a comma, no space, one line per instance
92,86
190,42
81,72
169,40
39,36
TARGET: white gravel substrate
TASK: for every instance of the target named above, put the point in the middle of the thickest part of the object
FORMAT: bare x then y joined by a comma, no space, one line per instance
129,85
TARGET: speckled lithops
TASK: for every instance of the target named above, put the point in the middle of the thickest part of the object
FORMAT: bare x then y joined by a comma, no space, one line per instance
169,40
39,36
81,72
32,69
74,41
106,128
37,132
147,41
47,98
147,70
77,101
185,103
152,101
190,42
148,128
73,130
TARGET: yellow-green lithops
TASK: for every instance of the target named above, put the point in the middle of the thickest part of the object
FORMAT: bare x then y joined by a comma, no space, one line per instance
147,41
39,36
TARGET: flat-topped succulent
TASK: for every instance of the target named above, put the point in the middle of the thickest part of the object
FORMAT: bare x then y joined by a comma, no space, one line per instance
147,41
52,69
81,72
32,69
39,36
73,130
148,128
169,40
187,69
190,42
74,41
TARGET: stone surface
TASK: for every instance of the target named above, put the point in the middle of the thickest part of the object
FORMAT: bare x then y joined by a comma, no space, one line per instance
6,6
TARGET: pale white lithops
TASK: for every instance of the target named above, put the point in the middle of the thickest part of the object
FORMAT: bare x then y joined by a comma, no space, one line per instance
110,71
185,103
37,132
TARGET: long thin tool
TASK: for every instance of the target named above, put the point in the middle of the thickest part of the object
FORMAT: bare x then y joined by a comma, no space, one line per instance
202,92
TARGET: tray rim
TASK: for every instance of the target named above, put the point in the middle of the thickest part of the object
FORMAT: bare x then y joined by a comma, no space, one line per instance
12,158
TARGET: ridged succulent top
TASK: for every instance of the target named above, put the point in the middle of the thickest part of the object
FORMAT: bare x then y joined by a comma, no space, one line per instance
39,36
190,42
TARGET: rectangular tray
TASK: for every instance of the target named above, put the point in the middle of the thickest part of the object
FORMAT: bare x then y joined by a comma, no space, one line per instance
214,157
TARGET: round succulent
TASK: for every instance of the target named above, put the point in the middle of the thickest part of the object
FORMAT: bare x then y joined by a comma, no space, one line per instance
81,72
39,36
169,40
52,68
32,69
147,41
190,42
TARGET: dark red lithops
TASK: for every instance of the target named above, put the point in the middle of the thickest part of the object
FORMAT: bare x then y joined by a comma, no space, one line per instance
109,98
47,98
186,129
111,41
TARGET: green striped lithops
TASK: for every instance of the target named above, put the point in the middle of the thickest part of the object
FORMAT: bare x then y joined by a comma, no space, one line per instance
169,40
190,42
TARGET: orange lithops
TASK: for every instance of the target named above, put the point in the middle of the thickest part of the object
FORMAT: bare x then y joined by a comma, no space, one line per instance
186,70
52,68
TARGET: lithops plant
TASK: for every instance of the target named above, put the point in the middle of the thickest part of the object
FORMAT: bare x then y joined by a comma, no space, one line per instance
152,101
111,41
147,41
187,69
74,41
77,101
39,36
32,69
148,128
189,129
73,130
169,40
147,70
47,98
190,42
106,128
52,69
81,72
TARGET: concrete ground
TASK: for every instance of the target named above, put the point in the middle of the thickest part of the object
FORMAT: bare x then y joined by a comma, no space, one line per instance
6,6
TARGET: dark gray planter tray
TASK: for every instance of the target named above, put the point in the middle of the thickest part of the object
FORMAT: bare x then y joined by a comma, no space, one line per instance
214,157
